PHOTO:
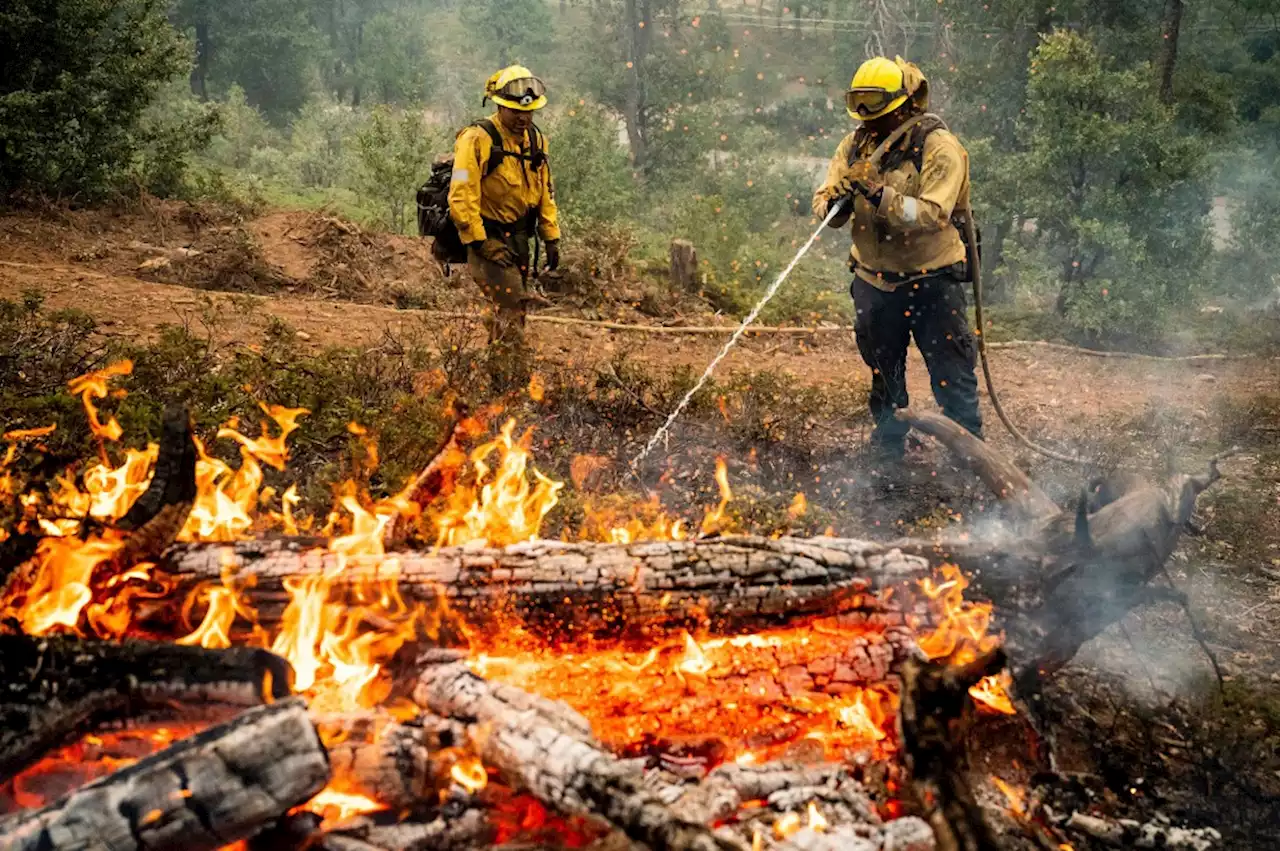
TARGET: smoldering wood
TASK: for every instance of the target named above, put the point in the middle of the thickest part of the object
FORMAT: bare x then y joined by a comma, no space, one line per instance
934,711
449,831
398,763
206,791
546,749
58,687
1127,833
1061,578
572,590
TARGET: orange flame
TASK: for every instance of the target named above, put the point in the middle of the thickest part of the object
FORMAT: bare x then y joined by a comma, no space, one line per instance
1016,797
695,660
92,386
715,520
817,822
502,507
335,806
470,774
787,825
799,505
962,633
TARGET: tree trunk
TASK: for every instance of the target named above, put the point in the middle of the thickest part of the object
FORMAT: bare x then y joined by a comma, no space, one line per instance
1172,28
200,72
200,794
684,266
573,590
637,49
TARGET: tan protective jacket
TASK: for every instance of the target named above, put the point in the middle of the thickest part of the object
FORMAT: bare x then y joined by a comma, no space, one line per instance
507,193
910,233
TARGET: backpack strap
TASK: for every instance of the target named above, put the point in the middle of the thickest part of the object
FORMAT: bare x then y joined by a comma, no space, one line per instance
913,150
496,151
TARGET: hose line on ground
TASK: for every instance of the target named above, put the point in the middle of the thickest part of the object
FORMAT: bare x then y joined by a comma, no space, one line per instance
971,238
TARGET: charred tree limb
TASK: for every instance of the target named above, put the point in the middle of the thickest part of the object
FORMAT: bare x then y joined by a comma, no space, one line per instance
546,749
206,791
998,473
934,711
57,687
1126,833
447,832
589,589
157,517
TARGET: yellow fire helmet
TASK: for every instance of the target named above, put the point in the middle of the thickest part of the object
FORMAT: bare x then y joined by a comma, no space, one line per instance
882,85
517,88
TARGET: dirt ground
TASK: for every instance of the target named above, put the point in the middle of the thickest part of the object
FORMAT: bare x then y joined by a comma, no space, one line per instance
334,284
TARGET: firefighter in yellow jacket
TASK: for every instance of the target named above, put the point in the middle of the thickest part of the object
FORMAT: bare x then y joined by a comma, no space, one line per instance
908,257
500,195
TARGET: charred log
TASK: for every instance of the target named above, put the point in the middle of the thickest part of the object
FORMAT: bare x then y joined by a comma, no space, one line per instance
449,831
1126,833
204,792
547,749
934,712
399,764
58,687
570,590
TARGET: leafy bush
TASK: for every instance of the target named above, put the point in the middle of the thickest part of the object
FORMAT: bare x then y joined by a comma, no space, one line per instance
320,154
393,154
76,77
593,180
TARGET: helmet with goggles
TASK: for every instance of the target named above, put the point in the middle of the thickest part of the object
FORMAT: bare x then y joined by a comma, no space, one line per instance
517,88
878,88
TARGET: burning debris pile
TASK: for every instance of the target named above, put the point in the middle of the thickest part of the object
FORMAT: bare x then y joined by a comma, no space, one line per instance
190,663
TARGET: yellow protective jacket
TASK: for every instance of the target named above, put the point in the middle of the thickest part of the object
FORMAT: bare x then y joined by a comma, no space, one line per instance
508,193
910,233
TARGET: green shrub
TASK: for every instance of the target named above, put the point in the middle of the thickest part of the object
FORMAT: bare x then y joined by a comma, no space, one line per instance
393,155
76,77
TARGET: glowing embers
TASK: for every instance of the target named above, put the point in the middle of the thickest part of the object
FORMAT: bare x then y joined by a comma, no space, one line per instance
65,769
821,687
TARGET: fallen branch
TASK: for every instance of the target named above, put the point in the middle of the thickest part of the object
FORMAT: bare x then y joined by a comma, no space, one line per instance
58,687
210,790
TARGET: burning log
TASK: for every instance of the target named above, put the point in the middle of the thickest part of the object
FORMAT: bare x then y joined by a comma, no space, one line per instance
547,749
446,832
591,589
57,687
156,518
204,792
399,764
934,709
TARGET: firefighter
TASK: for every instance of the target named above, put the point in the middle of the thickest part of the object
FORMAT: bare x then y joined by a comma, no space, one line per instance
501,195
908,257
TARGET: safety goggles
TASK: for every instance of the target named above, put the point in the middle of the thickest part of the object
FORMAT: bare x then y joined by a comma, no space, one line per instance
870,101
523,91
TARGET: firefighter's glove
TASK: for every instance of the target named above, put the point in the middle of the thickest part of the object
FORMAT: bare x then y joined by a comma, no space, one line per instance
496,252
553,254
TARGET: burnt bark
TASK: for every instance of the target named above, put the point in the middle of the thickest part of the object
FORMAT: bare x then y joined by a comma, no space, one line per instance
156,518
934,712
398,763
58,687
206,791
573,590
547,749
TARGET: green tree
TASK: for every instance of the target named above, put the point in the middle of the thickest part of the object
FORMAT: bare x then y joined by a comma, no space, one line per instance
592,177
393,154
267,47
1119,194
394,63
510,31
75,79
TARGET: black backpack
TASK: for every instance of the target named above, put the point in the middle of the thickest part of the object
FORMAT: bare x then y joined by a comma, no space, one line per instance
433,196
